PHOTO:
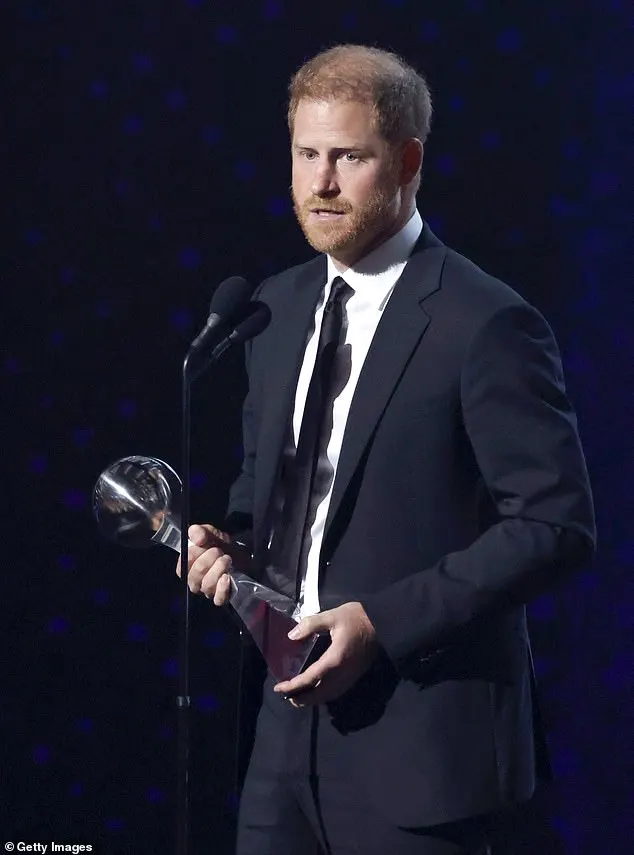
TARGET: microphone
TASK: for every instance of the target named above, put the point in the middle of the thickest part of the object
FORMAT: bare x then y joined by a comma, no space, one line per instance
258,317
229,298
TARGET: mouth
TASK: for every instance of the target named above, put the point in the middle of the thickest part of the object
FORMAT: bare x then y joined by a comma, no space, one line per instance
326,213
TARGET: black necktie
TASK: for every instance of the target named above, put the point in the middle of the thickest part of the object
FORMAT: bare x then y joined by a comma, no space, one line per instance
302,473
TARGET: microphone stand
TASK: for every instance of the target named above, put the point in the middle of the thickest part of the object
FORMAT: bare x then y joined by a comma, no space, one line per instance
255,320
183,701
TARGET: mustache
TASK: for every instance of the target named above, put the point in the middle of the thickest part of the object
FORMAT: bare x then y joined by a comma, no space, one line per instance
341,206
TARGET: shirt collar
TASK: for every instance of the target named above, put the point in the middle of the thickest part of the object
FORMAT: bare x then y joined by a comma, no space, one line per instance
377,273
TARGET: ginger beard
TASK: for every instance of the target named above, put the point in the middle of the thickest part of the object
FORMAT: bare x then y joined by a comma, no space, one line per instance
355,229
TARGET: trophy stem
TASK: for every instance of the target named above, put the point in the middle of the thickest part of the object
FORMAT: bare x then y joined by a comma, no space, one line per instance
268,615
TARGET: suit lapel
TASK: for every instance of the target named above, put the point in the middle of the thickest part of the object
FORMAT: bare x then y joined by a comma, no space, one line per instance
401,327
293,322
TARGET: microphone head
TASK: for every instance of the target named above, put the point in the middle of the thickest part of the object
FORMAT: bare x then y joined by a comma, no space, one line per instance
230,296
257,319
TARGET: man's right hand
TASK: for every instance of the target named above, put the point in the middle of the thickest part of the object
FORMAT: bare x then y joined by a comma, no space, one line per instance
210,559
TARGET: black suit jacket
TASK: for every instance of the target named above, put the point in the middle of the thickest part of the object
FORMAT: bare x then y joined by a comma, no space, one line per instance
461,492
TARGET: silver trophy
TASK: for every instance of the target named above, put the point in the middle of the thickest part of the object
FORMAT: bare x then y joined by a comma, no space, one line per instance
136,502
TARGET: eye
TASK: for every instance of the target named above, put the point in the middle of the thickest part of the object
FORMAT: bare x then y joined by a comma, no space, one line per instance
351,157
308,155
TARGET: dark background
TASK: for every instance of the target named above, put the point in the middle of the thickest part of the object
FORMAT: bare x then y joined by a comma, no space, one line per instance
146,159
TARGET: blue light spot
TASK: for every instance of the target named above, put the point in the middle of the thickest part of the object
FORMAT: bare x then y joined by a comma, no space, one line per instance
565,762
114,824
279,206
155,222
127,409
544,608
211,134
76,790
103,308
543,76
233,800
206,703
199,480
181,319
226,34
57,626
245,170
98,89
237,452
170,668
456,103
137,632
120,186
46,402
516,237
571,149
510,41
85,725
56,337
349,21
12,365
68,275
41,754
33,237
133,125
74,498
165,731
272,8
175,99
82,437
215,638
142,63
446,164
66,562
190,258
435,223
101,597
38,464
429,31
490,140
155,796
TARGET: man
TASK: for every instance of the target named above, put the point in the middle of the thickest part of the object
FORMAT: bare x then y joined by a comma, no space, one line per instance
446,487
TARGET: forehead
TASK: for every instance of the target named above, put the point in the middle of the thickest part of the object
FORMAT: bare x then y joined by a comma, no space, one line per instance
341,122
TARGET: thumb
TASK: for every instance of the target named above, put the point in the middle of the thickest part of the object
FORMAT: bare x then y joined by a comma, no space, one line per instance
307,626
205,535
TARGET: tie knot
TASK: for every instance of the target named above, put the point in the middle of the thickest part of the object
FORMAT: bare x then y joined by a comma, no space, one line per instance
339,289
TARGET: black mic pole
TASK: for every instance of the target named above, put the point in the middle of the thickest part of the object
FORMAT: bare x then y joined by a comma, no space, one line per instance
255,318
183,701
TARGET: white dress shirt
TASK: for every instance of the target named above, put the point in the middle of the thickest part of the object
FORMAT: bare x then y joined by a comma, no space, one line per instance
372,281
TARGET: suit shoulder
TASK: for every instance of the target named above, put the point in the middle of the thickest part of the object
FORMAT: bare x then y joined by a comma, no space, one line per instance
277,282
476,288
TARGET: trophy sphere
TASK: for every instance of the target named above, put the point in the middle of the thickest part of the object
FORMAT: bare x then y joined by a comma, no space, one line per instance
134,499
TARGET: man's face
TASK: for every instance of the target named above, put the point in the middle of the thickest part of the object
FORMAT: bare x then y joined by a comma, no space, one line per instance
346,191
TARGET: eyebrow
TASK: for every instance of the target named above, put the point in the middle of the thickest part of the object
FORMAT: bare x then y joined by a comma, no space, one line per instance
334,150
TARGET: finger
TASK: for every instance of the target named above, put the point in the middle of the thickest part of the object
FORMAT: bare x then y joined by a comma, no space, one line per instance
205,534
307,679
321,622
223,589
201,567
211,573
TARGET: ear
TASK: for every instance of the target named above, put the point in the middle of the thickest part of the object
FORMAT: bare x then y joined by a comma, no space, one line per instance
411,160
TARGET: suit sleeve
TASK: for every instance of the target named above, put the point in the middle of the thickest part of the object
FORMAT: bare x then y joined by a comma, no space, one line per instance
239,519
524,437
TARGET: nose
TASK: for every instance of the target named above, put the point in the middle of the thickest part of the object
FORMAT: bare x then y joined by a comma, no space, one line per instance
324,182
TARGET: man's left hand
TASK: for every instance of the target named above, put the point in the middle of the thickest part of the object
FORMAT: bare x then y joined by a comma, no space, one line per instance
352,650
